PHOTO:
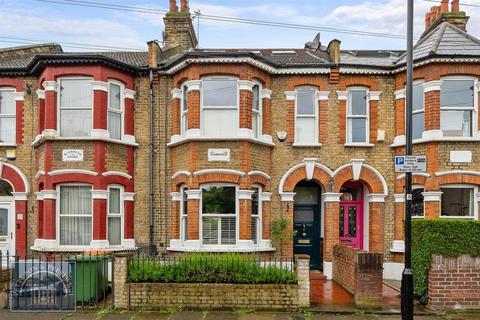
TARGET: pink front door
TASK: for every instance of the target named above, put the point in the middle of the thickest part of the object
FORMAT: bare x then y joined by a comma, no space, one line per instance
351,224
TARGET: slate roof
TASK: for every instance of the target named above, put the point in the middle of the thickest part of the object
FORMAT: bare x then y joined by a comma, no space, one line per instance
379,58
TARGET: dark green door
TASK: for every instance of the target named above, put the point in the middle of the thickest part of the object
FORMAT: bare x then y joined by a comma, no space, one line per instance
307,223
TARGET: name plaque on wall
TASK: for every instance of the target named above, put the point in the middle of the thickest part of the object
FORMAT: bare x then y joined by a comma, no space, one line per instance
72,155
218,155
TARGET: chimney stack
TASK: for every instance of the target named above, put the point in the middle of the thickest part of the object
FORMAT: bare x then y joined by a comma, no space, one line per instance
184,6
442,13
179,32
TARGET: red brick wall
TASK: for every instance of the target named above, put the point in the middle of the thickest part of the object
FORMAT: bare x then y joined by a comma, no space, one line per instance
454,283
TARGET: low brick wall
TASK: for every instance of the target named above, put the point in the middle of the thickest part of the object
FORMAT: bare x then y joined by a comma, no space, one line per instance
360,273
207,296
454,283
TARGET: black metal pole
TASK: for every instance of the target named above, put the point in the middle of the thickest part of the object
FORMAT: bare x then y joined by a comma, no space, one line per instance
407,276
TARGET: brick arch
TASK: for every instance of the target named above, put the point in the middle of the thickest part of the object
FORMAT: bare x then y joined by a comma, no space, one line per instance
361,81
374,181
216,176
179,178
416,179
261,179
15,177
459,177
321,175
309,80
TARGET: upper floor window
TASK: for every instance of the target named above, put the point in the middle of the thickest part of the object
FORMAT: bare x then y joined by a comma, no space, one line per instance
75,107
184,111
457,201
457,107
219,215
357,116
220,106
75,213
115,110
306,116
7,115
114,216
418,111
256,112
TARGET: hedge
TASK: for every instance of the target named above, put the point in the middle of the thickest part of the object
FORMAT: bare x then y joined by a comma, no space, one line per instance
211,268
446,237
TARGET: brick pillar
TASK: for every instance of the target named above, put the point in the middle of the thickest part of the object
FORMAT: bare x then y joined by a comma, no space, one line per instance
99,236
246,103
432,105
49,214
342,115
265,198
368,280
176,110
128,216
193,202
120,278
323,121
290,96
266,96
331,223
41,111
129,119
50,106
431,201
399,216
287,213
100,105
373,118
193,93
376,223
40,219
302,269
245,219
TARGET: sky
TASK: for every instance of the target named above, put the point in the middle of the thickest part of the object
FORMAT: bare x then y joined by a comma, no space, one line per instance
52,22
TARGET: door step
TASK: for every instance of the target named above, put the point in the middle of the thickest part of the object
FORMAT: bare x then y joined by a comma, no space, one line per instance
317,275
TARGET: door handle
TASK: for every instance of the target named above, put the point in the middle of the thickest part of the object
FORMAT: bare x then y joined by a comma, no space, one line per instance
304,233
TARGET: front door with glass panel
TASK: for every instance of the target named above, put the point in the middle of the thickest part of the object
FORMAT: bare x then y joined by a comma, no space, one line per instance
7,230
351,216
307,223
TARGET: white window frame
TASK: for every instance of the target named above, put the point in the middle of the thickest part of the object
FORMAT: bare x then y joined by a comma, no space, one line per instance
421,83
474,109
203,107
350,116
183,216
416,187
237,223
258,113
116,215
59,107
121,111
474,210
58,215
10,116
184,113
259,214
315,115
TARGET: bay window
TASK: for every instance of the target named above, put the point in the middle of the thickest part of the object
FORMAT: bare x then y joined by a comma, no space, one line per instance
306,116
75,211
219,215
114,216
75,107
357,116
418,111
115,110
257,112
457,107
457,201
7,116
256,213
183,214
184,111
219,107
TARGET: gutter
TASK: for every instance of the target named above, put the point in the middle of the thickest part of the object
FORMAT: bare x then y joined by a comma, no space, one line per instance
151,247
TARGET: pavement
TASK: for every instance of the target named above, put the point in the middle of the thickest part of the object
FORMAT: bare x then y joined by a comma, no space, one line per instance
174,314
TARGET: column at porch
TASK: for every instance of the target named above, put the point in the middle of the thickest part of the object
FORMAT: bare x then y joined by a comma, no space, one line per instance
100,104
376,222
431,200
245,218
128,220
331,218
193,211
193,96
287,204
99,236
50,92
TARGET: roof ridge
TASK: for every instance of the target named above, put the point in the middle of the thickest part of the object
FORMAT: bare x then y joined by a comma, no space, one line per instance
463,33
441,31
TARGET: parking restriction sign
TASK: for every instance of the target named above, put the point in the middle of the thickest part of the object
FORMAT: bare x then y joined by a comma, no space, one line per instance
414,164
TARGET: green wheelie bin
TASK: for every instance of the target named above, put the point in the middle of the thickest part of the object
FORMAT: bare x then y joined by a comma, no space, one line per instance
91,277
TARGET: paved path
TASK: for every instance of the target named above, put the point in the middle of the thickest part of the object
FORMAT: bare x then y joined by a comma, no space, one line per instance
212,315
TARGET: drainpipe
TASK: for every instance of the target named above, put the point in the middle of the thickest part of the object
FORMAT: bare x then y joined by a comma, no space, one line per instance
150,182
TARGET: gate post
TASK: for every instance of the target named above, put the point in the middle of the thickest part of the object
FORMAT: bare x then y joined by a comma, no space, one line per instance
120,277
302,269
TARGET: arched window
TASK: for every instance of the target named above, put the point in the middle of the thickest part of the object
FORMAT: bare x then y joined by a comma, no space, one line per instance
5,189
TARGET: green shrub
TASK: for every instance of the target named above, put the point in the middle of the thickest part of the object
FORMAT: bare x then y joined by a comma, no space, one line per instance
208,268
446,237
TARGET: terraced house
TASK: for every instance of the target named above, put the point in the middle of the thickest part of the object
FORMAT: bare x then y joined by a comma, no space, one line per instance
207,149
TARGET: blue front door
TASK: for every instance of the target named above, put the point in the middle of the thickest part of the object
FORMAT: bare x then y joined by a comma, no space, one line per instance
307,223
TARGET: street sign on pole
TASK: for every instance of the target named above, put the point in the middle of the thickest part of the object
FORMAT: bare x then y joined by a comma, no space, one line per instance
414,164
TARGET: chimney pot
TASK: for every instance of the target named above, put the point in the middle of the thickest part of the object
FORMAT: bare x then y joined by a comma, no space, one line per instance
427,20
173,6
184,5
455,5
444,6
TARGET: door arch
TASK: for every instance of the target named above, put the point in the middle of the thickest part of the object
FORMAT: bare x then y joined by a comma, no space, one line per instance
307,222
351,216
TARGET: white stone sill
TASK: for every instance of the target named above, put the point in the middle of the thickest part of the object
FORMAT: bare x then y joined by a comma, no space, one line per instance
80,248
12,145
218,139
443,139
359,145
220,249
306,145
40,139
